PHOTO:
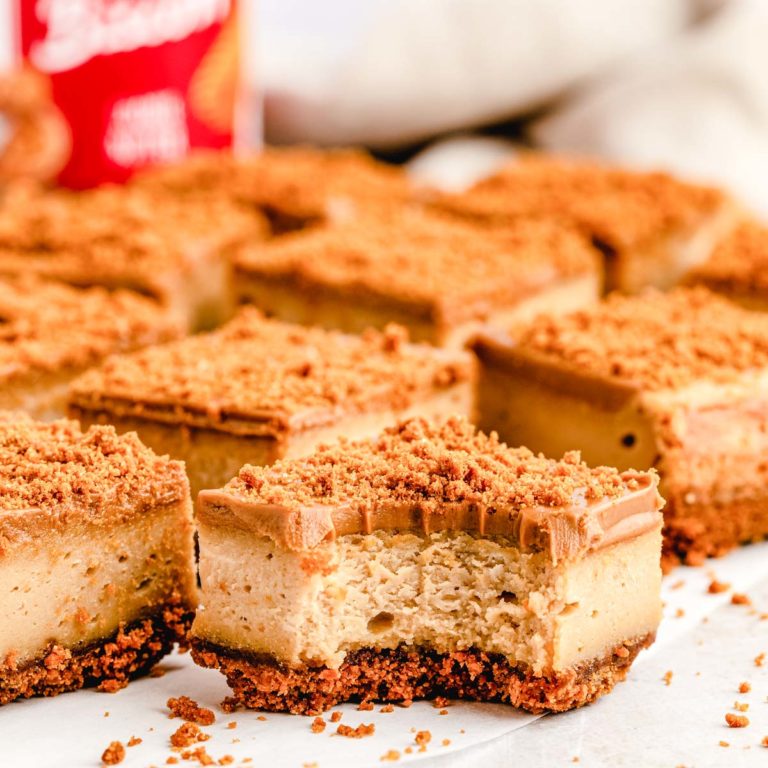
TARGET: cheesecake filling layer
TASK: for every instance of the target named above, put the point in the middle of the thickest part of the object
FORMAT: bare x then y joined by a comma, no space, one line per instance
447,591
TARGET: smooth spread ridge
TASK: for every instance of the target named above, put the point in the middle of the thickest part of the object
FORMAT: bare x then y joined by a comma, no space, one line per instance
257,375
655,340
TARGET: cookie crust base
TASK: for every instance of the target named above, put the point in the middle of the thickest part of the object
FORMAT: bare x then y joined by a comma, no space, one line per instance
406,673
109,664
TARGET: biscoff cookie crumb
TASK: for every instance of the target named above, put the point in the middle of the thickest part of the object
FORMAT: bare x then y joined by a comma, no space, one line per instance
113,754
745,687
736,721
134,741
188,709
358,732
390,756
737,598
716,587
188,734
318,725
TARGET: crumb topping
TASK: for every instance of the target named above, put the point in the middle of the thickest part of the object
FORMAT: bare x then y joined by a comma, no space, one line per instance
462,270
189,710
46,326
429,464
655,340
275,374
618,208
56,468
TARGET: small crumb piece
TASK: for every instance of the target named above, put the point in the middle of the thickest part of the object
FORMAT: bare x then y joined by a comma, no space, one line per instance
443,712
679,613
335,716
668,677
724,744
231,725
745,687
172,760
365,706
678,584
408,750
226,760
391,756
157,671
318,725
106,714
134,741
262,718
359,732
405,703
764,742
188,709
739,707
200,754
716,587
462,731
760,660
423,737
387,708
736,721
113,754
446,742
186,735
575,759
738,598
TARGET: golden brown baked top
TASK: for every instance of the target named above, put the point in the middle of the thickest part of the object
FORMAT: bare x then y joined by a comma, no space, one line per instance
57,468
47,326
739,263
451,474
260,376
127,237
620,209
654,341
446,269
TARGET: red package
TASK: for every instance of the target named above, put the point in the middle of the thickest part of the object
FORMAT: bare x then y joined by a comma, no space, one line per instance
137,82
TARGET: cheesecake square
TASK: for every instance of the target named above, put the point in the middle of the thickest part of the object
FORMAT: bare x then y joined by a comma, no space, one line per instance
175,250
738,267
651,227
258,389
96,565
440,278
51,332
431,561
675,382
294,187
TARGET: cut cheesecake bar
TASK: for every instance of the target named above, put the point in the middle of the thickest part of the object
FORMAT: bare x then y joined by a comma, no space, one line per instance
258,390
294,187
430,561
738,267
673,381
174,250
651,227
96,568
440,278
51,332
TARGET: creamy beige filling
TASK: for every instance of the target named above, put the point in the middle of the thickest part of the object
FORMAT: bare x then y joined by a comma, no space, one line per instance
74,588
212,458
354,316
448,591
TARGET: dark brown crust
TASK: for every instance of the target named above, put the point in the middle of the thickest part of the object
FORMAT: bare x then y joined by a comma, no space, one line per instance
693,532
406,673
109,664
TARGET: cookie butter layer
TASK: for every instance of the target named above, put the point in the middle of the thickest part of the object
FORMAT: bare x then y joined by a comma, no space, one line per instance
651,227
672,381
433,537
95,535
50,332
365,273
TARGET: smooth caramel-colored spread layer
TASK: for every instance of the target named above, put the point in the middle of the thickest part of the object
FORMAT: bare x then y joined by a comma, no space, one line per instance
47,326
262,376
739,263
619,208
436,476
654,341
448,269
54,471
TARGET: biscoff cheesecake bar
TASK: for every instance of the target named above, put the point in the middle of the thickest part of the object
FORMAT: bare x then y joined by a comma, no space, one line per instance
96,562
651,227
294,187
50,333
258,389
174,250
738,267
430,561
674,381
440,278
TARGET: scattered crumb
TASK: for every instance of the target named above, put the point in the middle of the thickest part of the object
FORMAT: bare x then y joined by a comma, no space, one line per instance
231,725
443,712
157,671
744,687
716,587
408,750
387,708
134,741
391,756
678,584
738,598
200,754
303,765
318,725
226,760
365,706
188,734
575,759
188,709
422,738
764,742
336,716
462,731
106,714
668,677
359,732
679,613
739,707
446,742
736,721
172,760
724,744
113,754
262,718
759,660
